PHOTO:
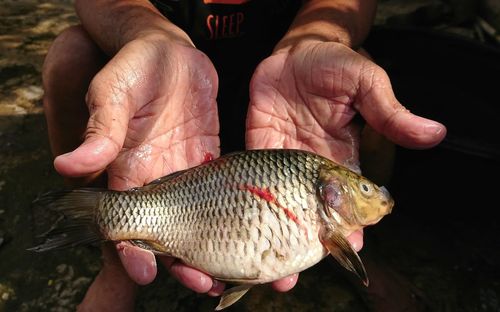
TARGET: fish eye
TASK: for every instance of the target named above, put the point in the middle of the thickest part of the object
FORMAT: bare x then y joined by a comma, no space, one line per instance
366,189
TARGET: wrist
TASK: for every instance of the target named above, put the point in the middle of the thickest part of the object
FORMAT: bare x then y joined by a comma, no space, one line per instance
157,34
151,26
117,23
294,39
344,21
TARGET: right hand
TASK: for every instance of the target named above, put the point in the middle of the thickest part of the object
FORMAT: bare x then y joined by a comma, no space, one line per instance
152,112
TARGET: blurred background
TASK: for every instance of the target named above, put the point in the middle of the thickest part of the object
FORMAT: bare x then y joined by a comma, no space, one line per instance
438,250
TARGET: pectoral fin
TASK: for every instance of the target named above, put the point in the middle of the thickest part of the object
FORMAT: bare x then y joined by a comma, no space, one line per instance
232,295
340,248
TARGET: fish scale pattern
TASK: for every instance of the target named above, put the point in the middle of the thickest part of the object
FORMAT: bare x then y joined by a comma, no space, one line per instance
243,217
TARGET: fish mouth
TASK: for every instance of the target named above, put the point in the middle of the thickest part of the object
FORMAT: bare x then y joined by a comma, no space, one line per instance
388,200
385,192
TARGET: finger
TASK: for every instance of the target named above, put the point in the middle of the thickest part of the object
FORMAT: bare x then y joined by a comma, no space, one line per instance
380,108
73,54
217,288
356,240
286,283
140,264
108,101
192,278
91,157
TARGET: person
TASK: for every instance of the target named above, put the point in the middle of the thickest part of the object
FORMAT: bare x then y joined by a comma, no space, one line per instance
132,93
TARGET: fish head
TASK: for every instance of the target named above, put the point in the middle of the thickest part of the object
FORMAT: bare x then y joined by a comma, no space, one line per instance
352,200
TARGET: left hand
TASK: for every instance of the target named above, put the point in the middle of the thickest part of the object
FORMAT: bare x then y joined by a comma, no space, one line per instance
305,98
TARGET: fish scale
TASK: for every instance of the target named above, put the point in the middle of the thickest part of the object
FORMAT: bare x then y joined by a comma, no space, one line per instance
185,205
249,217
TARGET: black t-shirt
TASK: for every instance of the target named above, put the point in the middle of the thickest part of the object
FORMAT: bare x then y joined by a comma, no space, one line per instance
236,35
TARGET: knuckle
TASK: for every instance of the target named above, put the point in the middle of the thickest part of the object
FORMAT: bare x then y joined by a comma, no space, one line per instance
374,76
110,86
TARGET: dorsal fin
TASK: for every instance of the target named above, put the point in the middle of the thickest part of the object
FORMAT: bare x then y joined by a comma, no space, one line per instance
153,184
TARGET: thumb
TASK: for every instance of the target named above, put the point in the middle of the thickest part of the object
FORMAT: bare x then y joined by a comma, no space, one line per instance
382,111
106,129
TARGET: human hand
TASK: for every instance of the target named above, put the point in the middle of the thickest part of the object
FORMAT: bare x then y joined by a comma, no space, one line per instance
152,111
306,97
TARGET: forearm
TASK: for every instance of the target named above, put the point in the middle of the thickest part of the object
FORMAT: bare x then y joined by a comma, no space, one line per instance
113,23
344,21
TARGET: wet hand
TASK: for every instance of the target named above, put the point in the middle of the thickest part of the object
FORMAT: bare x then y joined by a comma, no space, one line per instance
152,111
306,97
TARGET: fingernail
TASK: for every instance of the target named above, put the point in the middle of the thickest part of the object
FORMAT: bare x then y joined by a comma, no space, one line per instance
355,246
65,154
433,129
217,288
212,291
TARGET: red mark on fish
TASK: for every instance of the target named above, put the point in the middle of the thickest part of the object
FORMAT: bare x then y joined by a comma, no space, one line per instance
266,195
263,193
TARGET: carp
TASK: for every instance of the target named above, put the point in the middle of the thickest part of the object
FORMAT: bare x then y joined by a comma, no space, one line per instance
245,218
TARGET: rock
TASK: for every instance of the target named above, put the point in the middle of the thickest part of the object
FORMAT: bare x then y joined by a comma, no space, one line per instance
30,93
27,30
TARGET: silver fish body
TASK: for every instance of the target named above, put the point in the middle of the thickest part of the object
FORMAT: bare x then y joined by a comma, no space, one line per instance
249,217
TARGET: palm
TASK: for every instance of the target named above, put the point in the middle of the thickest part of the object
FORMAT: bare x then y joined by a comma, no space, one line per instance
175,120
152,112
304,99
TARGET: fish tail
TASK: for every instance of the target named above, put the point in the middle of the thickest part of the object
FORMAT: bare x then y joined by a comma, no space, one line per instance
76,224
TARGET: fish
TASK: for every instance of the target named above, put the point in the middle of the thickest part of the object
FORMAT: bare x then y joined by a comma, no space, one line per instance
245,218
